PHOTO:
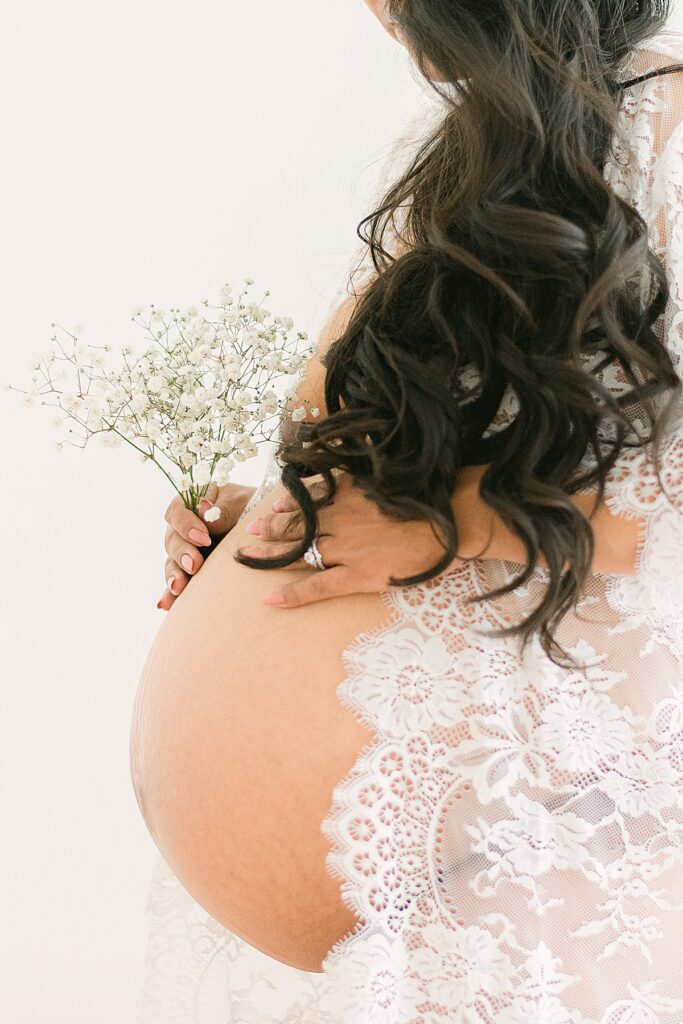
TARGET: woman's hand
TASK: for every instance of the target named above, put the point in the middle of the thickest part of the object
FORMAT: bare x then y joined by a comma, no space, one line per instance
186,533
361,546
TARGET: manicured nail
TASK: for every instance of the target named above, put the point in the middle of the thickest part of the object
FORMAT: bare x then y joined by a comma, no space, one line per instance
199,537
275,598
159,603
170,583
279,505
255,527
186,562
255,551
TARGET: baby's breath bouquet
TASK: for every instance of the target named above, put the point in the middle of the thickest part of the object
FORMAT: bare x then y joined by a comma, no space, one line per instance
197,399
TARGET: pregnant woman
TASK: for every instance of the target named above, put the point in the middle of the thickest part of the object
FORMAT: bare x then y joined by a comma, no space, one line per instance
410,739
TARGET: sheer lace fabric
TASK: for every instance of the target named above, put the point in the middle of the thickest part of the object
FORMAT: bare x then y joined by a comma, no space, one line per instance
512,840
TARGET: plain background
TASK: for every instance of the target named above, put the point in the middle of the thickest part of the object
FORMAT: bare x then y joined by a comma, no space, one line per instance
151,152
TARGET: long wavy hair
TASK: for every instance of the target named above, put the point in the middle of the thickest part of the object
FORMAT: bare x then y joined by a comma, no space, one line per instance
517,257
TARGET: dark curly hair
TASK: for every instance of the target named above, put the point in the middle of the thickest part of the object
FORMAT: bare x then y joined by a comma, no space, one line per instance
519,258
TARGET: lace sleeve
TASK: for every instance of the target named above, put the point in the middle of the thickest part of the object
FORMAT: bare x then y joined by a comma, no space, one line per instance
654,182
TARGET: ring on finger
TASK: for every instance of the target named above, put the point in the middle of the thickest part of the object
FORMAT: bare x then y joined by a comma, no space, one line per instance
313,557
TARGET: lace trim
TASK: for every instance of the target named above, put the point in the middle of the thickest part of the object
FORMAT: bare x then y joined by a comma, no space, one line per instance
403,629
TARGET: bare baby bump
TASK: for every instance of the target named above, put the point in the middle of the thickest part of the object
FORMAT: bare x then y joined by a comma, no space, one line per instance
238,739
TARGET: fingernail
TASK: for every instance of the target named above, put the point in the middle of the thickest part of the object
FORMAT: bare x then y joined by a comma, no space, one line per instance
186,562
170,583
159,603
275,598
199,537
279,505
255,551
255,527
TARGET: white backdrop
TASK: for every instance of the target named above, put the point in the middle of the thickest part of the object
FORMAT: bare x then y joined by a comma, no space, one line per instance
151,152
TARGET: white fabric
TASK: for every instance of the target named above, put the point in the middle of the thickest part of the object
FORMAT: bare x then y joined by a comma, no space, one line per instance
521,855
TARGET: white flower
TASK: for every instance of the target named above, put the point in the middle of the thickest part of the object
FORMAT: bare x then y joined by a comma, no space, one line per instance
193,444
641,783
153,431
315,411
246,452
189,401
139,402
202,473
212,514
299,413
197,356
269,402
222,472
583,729
532,840
456,963
374,985
406,683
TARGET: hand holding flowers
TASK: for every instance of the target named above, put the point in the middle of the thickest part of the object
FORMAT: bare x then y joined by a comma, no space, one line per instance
186,533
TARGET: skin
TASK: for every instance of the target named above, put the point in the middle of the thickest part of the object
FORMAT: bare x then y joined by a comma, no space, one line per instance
224,722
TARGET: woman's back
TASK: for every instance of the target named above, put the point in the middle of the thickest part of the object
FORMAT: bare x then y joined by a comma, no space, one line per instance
512,840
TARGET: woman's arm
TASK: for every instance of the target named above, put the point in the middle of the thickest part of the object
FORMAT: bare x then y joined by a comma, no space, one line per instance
616,537
311,392
481,529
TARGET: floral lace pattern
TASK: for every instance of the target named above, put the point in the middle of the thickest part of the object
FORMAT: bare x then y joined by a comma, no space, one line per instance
512,842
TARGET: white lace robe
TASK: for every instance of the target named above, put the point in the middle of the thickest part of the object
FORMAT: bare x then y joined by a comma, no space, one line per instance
512,841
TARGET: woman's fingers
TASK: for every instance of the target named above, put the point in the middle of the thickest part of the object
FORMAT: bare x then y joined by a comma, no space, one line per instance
183,561
176,578
186,524
183,554
165,601
317,488
278,526
319,586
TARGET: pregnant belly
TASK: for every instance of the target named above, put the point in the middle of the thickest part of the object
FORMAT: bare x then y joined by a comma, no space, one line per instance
238,739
